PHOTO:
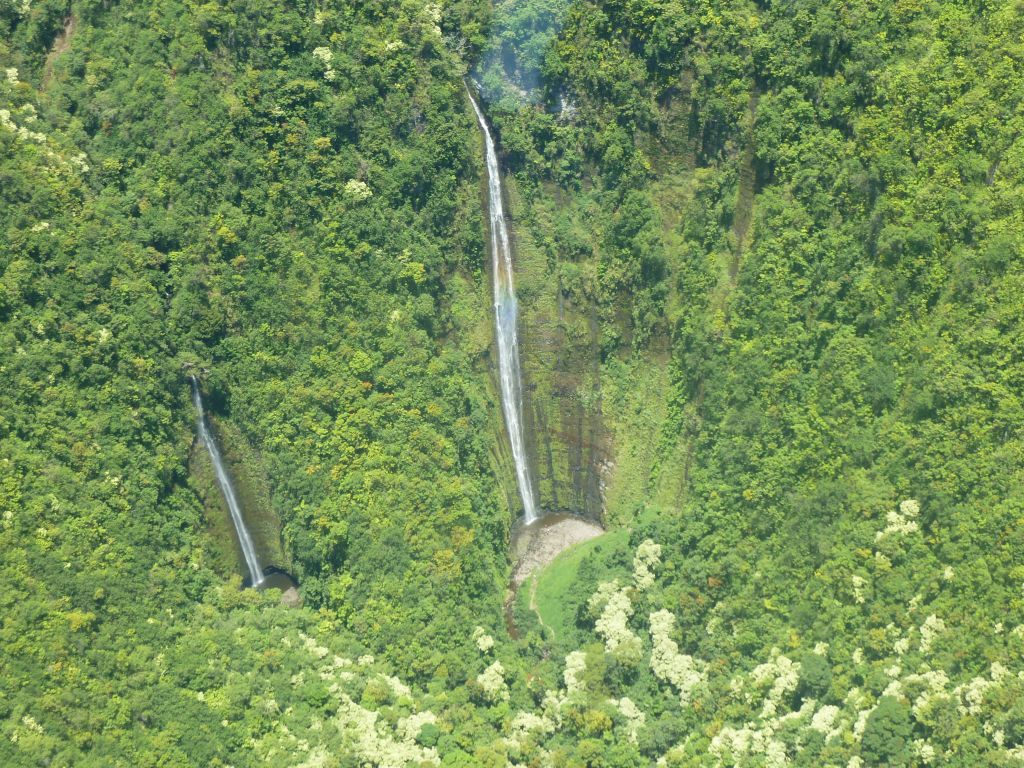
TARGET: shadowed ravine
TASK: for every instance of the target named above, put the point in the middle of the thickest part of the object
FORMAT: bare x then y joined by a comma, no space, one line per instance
245,539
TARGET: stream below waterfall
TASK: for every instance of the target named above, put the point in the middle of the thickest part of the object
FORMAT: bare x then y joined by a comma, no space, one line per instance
535,545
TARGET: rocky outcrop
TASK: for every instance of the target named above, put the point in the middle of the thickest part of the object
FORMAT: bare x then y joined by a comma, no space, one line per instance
535,546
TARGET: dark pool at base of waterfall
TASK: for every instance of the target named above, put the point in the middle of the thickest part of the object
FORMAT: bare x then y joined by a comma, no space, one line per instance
274,578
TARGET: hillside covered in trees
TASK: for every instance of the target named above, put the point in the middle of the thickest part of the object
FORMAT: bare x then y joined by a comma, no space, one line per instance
769,274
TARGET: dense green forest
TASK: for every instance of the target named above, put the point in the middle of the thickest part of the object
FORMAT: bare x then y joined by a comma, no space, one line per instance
769,265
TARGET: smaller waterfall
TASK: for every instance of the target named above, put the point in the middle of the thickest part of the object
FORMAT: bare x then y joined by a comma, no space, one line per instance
506,317
252,560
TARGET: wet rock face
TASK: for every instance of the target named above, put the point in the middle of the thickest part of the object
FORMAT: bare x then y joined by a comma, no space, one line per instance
566,437
560,348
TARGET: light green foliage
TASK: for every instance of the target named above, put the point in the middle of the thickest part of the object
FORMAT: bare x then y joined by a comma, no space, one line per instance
769,260
558,594
200,194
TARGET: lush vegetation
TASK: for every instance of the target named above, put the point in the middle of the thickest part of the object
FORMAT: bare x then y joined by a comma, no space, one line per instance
770,276
275,200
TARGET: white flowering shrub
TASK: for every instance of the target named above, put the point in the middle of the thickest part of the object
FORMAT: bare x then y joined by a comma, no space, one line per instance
411,726
600,598
398,688
632,714
734,746
483,641
374,742
575,666
667,663
925,688
20,118
612,624
492,681
325,57
432,11
785,676
525,724
910,508
823,721
972,693
357,190
933,626
645,562
859,582
902,522
22,132
924,751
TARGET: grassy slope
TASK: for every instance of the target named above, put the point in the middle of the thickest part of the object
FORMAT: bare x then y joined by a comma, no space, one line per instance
552,590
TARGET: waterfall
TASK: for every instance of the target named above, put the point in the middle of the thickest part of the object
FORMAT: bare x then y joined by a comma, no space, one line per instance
505,319
252,561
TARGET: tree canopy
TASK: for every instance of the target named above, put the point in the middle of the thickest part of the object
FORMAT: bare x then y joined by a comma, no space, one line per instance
768,268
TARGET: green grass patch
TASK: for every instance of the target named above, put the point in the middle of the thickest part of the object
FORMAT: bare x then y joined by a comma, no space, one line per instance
560,590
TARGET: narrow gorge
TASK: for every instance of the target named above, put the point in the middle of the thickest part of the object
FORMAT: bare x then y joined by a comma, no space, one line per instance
227,489
538,537
506,319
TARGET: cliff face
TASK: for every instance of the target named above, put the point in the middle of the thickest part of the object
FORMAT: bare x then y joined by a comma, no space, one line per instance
569,440
248,474
559,346
608,282
600,297
595,406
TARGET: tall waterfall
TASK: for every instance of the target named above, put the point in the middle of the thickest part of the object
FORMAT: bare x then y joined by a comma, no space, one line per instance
505,317
252,560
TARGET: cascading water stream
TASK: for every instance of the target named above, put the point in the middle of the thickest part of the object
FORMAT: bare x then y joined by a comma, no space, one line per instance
252,561
506,318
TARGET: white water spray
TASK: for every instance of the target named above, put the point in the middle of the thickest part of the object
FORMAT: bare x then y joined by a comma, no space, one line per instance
505,318
252,561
